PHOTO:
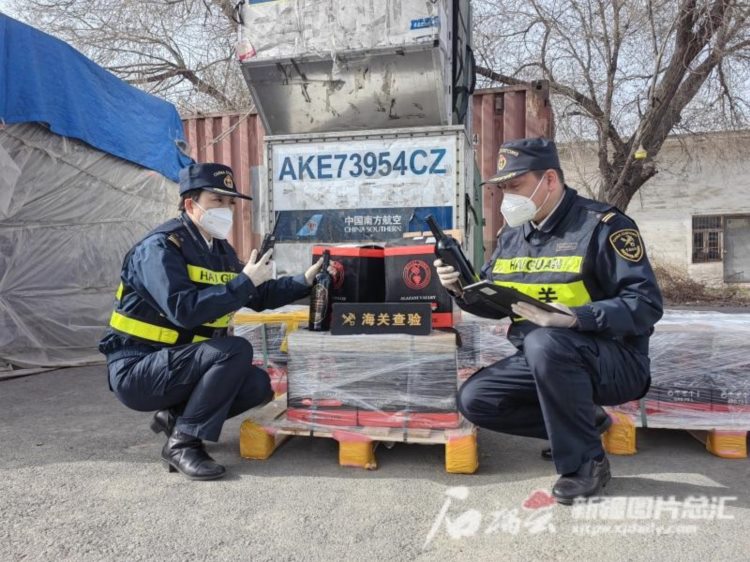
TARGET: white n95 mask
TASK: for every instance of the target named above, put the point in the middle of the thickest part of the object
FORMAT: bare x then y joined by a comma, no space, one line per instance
217,222
519,209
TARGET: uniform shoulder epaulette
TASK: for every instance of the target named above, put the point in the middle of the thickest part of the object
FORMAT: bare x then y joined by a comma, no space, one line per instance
594,206
174,239
615,215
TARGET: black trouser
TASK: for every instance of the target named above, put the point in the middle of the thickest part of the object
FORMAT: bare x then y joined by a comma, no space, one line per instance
203,383
548,390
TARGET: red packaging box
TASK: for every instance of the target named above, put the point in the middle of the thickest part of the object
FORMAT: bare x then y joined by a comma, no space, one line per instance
321,416
411,277
411,420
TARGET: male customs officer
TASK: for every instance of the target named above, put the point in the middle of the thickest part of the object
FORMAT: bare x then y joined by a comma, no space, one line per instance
166,345
587,259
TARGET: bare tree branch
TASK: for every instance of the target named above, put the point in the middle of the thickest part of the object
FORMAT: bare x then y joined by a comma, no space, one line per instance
626,72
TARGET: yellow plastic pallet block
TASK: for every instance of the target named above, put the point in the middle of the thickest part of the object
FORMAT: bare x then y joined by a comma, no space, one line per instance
620,437
461,455
355,450
255,442
258,441
726,444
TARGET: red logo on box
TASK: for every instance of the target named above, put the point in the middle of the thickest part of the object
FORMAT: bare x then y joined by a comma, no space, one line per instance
338,277
417,274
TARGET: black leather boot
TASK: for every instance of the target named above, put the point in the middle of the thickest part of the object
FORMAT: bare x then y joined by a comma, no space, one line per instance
601,419
587,481
185,453
163,422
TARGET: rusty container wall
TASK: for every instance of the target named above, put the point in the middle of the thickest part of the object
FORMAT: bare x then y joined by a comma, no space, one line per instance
499,115
234,139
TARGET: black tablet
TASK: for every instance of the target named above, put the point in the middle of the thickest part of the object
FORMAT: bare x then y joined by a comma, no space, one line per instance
501,298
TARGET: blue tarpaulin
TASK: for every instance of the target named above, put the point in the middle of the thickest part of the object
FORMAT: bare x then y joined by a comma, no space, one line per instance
43,79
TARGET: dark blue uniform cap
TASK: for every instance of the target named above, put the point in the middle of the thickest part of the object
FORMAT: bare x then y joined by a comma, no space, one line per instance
217,178
517,157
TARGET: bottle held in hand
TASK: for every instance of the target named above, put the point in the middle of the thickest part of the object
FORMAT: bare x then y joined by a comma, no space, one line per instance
449,250
320,298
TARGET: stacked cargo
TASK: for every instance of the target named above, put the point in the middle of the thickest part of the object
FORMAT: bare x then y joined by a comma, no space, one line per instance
482,342
268,332
344,65
699,368
374,380
700,363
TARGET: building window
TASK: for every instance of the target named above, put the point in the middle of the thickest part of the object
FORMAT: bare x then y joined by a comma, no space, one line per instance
708,239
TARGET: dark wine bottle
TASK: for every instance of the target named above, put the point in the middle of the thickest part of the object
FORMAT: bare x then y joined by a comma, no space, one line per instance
449,250
320,298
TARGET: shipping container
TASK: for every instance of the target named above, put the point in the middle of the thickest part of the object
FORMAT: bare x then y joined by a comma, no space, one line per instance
316,66
498,114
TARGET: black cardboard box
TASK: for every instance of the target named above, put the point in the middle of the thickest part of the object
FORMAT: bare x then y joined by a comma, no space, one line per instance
360,272
411,277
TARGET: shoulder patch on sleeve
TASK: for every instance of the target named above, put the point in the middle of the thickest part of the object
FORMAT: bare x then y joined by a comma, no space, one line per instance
174,239
608,217
628,244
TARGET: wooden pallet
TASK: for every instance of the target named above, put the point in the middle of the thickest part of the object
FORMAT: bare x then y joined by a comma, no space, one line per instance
727,443
267,429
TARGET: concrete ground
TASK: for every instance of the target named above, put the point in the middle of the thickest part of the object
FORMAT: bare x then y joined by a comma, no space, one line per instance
80,479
